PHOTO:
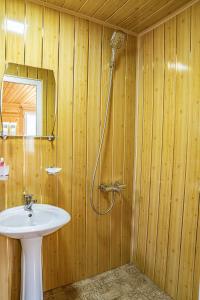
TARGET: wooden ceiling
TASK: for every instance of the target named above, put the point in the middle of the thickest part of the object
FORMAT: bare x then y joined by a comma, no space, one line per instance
21,94
132,15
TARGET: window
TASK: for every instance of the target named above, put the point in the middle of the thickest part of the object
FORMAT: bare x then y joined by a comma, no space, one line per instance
30,123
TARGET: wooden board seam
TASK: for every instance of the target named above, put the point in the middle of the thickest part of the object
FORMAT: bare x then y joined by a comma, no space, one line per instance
135,152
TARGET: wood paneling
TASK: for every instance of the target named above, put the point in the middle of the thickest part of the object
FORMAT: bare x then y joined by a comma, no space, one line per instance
15,10
180,153
106,162
65,146
157,144
119,88
131,15
129,129
189,252
80,147
166,235
34,14
79,53
93,132
146,145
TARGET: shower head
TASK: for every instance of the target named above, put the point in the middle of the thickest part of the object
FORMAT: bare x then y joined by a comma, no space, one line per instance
117,40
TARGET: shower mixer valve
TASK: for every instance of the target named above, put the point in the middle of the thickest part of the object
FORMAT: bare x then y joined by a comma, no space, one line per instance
116,187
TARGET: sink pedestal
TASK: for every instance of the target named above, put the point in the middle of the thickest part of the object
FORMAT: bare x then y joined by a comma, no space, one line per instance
15,223
31,280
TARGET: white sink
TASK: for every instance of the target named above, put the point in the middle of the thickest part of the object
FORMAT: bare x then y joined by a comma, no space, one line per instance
17,223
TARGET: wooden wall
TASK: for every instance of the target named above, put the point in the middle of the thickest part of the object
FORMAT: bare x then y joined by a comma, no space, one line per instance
166,228
79,52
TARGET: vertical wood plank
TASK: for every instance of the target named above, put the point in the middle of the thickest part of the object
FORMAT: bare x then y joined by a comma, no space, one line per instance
139,139
180,155
50,40
191,199
15,12
158,90
32,161
118,153
146,149
51,99
167,153
93,136
15,158
65,139
106,158
129,141
49,183
49,196
33,39
80,147
42,75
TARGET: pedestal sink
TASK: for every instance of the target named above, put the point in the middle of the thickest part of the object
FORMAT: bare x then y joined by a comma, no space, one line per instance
30,228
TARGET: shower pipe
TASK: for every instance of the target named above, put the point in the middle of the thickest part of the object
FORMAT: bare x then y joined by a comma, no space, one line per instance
117,40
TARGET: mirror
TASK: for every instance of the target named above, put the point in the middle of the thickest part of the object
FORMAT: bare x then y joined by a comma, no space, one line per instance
27,103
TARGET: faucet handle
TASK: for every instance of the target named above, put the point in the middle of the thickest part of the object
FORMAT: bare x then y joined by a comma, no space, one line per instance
27,197
120,186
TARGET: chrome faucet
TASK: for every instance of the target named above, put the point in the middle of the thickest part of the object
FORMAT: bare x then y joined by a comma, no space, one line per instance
28,202
116,187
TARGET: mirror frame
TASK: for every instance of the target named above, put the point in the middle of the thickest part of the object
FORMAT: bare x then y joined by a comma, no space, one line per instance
49,137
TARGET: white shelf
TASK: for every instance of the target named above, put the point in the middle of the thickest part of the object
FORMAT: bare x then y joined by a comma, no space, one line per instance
53,170
4,178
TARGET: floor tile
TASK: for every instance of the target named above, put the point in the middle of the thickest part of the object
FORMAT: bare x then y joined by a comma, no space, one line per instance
123,283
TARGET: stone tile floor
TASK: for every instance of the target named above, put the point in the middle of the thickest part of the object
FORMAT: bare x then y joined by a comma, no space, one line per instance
123,283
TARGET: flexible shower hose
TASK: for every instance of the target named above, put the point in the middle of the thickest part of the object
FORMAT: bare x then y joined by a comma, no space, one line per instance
106,211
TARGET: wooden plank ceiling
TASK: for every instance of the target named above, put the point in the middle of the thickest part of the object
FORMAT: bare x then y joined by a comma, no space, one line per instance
133,15
19,93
